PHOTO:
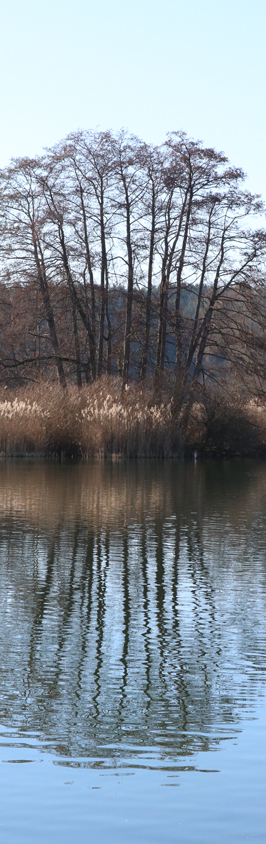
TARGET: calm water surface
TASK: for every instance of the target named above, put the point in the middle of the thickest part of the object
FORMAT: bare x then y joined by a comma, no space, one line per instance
133,653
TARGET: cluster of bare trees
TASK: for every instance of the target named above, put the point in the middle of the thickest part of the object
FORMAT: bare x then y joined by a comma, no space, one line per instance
118,256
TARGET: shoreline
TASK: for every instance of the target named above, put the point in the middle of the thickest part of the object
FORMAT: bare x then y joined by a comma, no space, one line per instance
102,423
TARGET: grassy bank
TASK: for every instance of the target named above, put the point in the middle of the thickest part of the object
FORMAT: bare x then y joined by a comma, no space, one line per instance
99,421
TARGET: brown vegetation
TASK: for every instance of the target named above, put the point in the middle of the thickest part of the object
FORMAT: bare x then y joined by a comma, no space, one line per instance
101,420
132,301
122,257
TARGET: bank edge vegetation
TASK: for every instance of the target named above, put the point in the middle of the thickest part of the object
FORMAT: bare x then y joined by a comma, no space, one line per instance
132,306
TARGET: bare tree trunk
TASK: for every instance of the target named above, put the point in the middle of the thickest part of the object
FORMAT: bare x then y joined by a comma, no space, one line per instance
101,328
162,295
77,347
39,260
103,280
74,297
195,333
90,271
130,282
202,339
144,359
178,288
109,327
166,272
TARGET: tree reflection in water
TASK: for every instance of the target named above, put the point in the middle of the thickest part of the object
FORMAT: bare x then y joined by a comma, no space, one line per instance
132,603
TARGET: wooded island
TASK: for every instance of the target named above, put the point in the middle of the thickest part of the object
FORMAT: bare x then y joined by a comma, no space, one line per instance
132,306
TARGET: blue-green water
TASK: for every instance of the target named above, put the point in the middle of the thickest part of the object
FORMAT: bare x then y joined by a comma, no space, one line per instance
133,652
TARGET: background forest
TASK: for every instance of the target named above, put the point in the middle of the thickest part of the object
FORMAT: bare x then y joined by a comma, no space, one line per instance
142,264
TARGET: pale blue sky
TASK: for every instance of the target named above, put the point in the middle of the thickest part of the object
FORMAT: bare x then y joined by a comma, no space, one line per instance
150,66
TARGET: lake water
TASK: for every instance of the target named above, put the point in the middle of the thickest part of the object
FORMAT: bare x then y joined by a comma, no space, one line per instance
133,652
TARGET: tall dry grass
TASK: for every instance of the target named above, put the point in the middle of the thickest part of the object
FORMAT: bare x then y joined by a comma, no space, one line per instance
102,421
96,421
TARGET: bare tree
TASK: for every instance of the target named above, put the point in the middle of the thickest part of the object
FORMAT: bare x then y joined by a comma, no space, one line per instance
25,254
135,251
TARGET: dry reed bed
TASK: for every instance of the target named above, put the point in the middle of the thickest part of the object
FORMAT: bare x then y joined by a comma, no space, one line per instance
101,421
98,420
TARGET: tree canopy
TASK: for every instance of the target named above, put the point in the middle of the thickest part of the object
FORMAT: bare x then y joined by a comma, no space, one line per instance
118,256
